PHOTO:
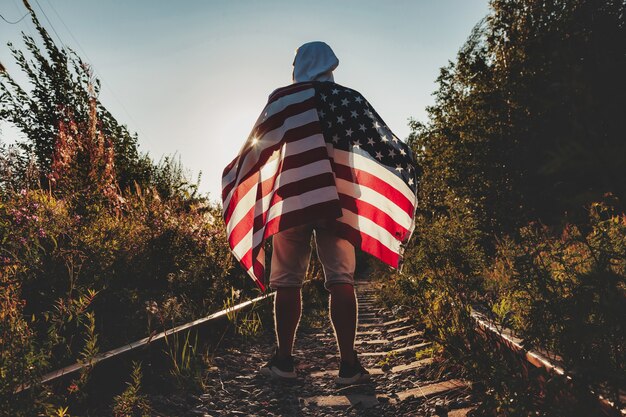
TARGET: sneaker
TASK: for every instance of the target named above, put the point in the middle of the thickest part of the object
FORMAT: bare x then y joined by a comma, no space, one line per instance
279,367
354,374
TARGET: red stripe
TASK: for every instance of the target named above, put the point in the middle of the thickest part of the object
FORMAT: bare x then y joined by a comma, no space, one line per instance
290,89
378,216
291,135
276,120
248,221
289,162
373,182
305,158
367,244
239,193
241,229
258,282
326,210
258,268
246,259
259,271
295,189
273,122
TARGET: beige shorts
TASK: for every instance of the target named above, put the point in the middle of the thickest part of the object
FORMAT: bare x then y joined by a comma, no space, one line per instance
292,253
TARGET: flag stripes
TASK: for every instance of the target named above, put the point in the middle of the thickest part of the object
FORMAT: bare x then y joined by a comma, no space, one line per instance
293,171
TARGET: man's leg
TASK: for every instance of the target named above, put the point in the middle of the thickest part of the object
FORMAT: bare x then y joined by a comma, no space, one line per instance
339,261
287,311
343,311
290,258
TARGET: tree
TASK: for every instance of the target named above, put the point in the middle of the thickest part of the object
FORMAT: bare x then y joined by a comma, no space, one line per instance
529,121
63,93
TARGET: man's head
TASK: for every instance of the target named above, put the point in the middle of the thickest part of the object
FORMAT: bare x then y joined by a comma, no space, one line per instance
314,61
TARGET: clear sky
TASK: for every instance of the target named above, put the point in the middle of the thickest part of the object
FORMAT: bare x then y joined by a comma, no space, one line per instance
191,76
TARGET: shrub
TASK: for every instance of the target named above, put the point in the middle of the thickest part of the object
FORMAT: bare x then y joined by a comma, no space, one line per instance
567,293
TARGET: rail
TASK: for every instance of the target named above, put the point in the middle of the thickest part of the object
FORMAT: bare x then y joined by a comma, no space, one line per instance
122,350
538,359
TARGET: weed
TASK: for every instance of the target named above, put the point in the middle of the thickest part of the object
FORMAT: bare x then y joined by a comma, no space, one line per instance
131,403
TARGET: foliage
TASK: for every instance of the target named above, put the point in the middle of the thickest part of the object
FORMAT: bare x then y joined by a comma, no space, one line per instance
526,130
63,94
131,402
186,364
20,360
96,241
245,323
567,293
525,124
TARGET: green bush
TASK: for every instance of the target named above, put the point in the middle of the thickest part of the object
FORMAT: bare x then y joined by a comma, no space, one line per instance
99,245
567,293
524,137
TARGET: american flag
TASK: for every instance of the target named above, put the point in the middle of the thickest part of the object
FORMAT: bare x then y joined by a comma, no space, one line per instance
319,151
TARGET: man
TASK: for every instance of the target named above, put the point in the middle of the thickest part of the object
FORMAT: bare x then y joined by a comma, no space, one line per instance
321,162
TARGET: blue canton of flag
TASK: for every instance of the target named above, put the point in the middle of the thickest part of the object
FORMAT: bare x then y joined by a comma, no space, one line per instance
351,124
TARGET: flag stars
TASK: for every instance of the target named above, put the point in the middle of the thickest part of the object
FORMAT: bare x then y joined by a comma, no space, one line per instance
354,125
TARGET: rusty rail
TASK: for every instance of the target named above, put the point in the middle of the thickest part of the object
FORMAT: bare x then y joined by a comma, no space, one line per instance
538,359
142,343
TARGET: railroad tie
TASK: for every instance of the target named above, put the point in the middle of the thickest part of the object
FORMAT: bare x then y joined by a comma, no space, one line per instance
405,378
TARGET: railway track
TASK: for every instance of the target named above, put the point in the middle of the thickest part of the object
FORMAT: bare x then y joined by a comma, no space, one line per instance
405,379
